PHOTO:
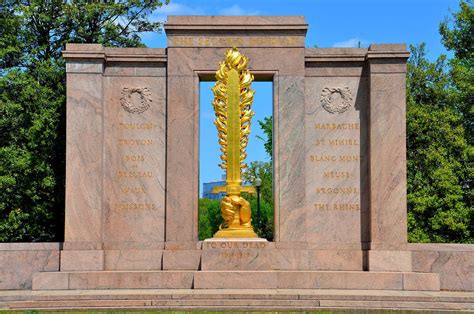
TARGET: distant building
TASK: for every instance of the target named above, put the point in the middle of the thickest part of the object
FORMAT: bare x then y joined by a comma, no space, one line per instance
207,189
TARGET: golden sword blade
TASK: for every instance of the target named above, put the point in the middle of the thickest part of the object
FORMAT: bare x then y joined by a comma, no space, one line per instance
236,124
232,104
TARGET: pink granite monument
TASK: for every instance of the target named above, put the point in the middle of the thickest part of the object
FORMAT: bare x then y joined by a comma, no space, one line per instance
339,168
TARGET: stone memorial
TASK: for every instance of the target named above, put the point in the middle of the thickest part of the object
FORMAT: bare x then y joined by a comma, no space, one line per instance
339,157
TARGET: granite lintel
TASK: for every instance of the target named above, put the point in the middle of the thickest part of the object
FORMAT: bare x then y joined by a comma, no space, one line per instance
387,66
333,58
84,51
183,24
96,51
388,47
335,54
241,39
156,55
388,55
136,58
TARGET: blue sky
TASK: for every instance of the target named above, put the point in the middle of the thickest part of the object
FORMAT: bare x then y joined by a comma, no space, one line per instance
336,23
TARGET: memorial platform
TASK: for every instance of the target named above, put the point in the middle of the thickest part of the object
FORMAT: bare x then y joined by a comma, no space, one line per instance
358,280
234,300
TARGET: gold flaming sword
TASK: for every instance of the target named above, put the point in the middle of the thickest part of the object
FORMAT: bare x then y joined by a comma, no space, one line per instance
232,105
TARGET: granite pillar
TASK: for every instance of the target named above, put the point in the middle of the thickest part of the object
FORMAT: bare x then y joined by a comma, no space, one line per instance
387,158
84,147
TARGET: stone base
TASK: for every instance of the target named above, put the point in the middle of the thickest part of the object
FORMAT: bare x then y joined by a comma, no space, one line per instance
357,280
236,233
237,300
94,280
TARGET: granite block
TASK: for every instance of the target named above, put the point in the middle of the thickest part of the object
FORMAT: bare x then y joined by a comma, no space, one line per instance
389,260
181,259
18,266
130,280
235,280
182,157
82,260
84,155
289,166
85,66
421,282
455,268
335,260
287,259
336,160
134,69
340,280
387,149
30,246
133,259
50,281
134,152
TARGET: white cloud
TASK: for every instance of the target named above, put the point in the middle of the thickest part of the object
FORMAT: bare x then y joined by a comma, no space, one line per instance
351,43
236,10
175,8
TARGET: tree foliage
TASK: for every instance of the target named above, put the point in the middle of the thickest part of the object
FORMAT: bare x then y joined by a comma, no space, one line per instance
439,130
438,154
267,128
32,103
457,34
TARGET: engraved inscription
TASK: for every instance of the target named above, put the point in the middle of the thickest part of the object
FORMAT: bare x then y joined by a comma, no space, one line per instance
237,255
337,142
337,206
345,190
136,126
132,206
334,158
123,141
337,126
133,190
134,158
258,41
134,174
235,245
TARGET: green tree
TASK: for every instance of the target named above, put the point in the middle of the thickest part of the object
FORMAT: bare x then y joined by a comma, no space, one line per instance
457,35
438,154
32,103
267,128
209,218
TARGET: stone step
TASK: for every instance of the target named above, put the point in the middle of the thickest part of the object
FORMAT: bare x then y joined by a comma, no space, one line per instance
248,305
359,280
232,300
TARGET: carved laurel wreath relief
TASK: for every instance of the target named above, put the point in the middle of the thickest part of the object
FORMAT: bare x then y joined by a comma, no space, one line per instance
135,99
336,99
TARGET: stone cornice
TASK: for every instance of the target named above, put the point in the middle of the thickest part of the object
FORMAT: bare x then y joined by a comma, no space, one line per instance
97,51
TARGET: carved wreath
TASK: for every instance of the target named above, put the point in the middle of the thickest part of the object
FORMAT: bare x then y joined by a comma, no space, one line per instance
327,99
138,104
